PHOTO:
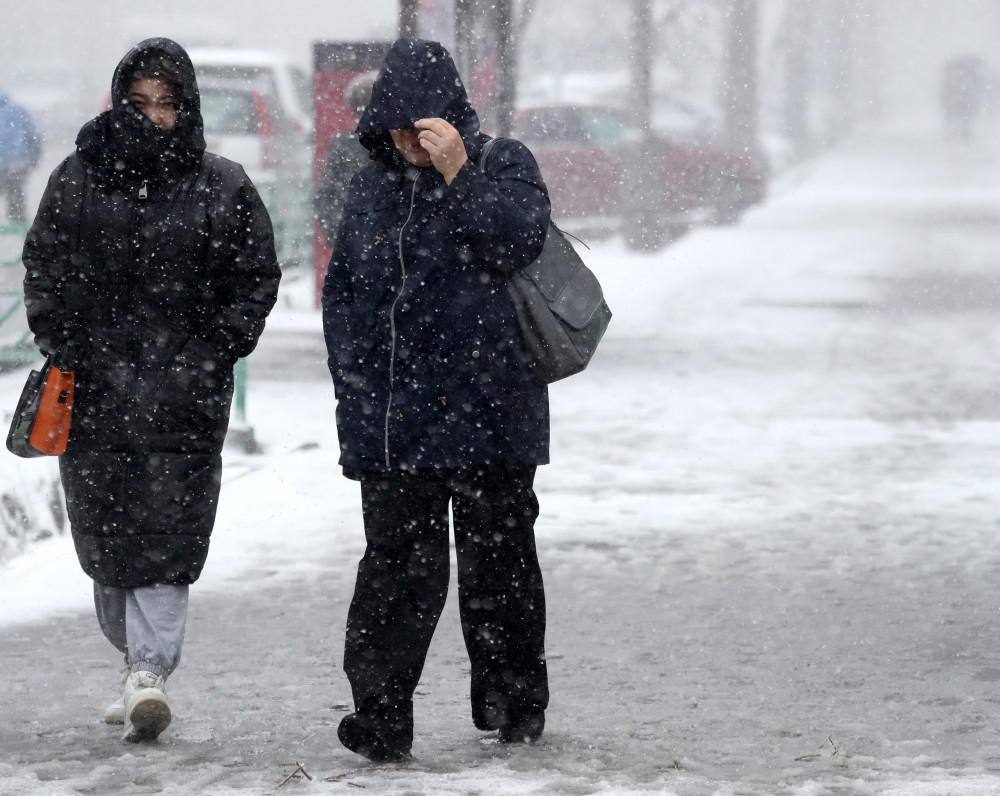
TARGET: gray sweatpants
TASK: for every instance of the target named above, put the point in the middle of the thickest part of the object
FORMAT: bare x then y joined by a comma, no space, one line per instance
146,624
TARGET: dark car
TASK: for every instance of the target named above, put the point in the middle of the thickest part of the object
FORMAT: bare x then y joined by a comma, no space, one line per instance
581,149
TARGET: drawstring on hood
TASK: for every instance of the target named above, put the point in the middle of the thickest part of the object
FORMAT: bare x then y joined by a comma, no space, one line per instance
417,80
123,144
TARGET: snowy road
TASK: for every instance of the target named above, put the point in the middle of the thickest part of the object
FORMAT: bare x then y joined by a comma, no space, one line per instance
768,536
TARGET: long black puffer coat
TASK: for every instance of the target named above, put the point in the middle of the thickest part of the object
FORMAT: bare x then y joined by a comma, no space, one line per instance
423,343
154,263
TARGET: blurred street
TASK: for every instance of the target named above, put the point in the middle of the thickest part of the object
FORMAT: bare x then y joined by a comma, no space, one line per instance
769,535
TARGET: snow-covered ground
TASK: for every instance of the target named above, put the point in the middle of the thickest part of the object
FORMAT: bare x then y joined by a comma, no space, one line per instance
768,535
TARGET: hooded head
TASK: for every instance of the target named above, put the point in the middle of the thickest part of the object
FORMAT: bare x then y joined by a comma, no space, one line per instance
124,141
418,80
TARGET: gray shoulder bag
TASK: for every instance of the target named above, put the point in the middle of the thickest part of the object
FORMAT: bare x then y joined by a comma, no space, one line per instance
559,303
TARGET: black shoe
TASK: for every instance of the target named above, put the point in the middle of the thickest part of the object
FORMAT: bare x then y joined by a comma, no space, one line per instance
523,728
363,735
489,717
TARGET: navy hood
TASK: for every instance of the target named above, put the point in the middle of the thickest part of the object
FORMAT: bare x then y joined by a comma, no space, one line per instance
418,80
122,142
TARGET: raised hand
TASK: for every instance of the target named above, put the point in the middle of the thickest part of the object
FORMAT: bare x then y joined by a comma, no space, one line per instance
444,145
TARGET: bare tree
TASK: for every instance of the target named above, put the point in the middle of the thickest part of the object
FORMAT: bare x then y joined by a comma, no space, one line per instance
797,38
506,60
523,17
642,65
841,47
641,225
407,18
491,29
869,75
741,106
690,41
466,13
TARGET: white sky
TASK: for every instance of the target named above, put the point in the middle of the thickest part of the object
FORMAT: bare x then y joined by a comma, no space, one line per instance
98,34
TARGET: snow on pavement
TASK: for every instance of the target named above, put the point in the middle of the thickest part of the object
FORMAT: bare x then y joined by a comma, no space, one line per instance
768,535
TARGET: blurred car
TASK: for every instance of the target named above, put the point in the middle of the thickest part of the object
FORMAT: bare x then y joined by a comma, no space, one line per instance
282,162
245,123
270,71
581,151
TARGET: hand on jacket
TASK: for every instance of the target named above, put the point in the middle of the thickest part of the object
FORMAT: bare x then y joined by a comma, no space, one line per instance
445,146
73,350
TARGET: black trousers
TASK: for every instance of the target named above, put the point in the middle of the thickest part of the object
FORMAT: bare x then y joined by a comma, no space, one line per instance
402,585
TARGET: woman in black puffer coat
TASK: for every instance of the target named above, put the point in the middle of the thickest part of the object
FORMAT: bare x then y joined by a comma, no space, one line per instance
152,263
437,408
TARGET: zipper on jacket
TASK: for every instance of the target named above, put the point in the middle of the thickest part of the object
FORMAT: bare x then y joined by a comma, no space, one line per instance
136,220
392,315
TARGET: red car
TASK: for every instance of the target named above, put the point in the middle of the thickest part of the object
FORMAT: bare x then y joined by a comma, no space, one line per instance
581,150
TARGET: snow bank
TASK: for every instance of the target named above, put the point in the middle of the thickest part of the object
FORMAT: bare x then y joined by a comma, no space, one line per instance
31,500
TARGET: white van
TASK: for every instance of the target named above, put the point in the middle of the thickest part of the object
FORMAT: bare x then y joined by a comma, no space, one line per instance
272,71
257,110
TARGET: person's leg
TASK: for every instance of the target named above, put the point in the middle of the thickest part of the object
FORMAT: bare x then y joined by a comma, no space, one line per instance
15,197
7,192
155,619
502,599
401,588
110,604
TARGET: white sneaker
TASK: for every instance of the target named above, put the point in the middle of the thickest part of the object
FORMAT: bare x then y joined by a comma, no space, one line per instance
115,712
147,713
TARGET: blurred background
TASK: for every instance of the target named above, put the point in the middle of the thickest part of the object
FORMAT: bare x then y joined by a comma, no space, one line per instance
648,117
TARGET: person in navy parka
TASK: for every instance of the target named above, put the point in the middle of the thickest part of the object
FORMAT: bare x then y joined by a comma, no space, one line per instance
436,403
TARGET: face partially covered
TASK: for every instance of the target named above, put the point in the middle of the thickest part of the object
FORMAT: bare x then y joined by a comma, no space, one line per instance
409,146
157,100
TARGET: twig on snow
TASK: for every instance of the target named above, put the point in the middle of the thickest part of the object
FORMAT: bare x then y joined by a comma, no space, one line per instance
836,751
298,768
815,756
353,771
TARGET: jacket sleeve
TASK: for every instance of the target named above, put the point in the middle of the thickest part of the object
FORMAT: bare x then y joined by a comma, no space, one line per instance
248,282
504,212
48,254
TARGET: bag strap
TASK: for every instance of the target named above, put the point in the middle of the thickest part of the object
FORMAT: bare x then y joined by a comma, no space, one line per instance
57,359
485,153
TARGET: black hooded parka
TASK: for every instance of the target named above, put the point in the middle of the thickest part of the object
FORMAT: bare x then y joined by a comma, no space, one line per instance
153,263
423,342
